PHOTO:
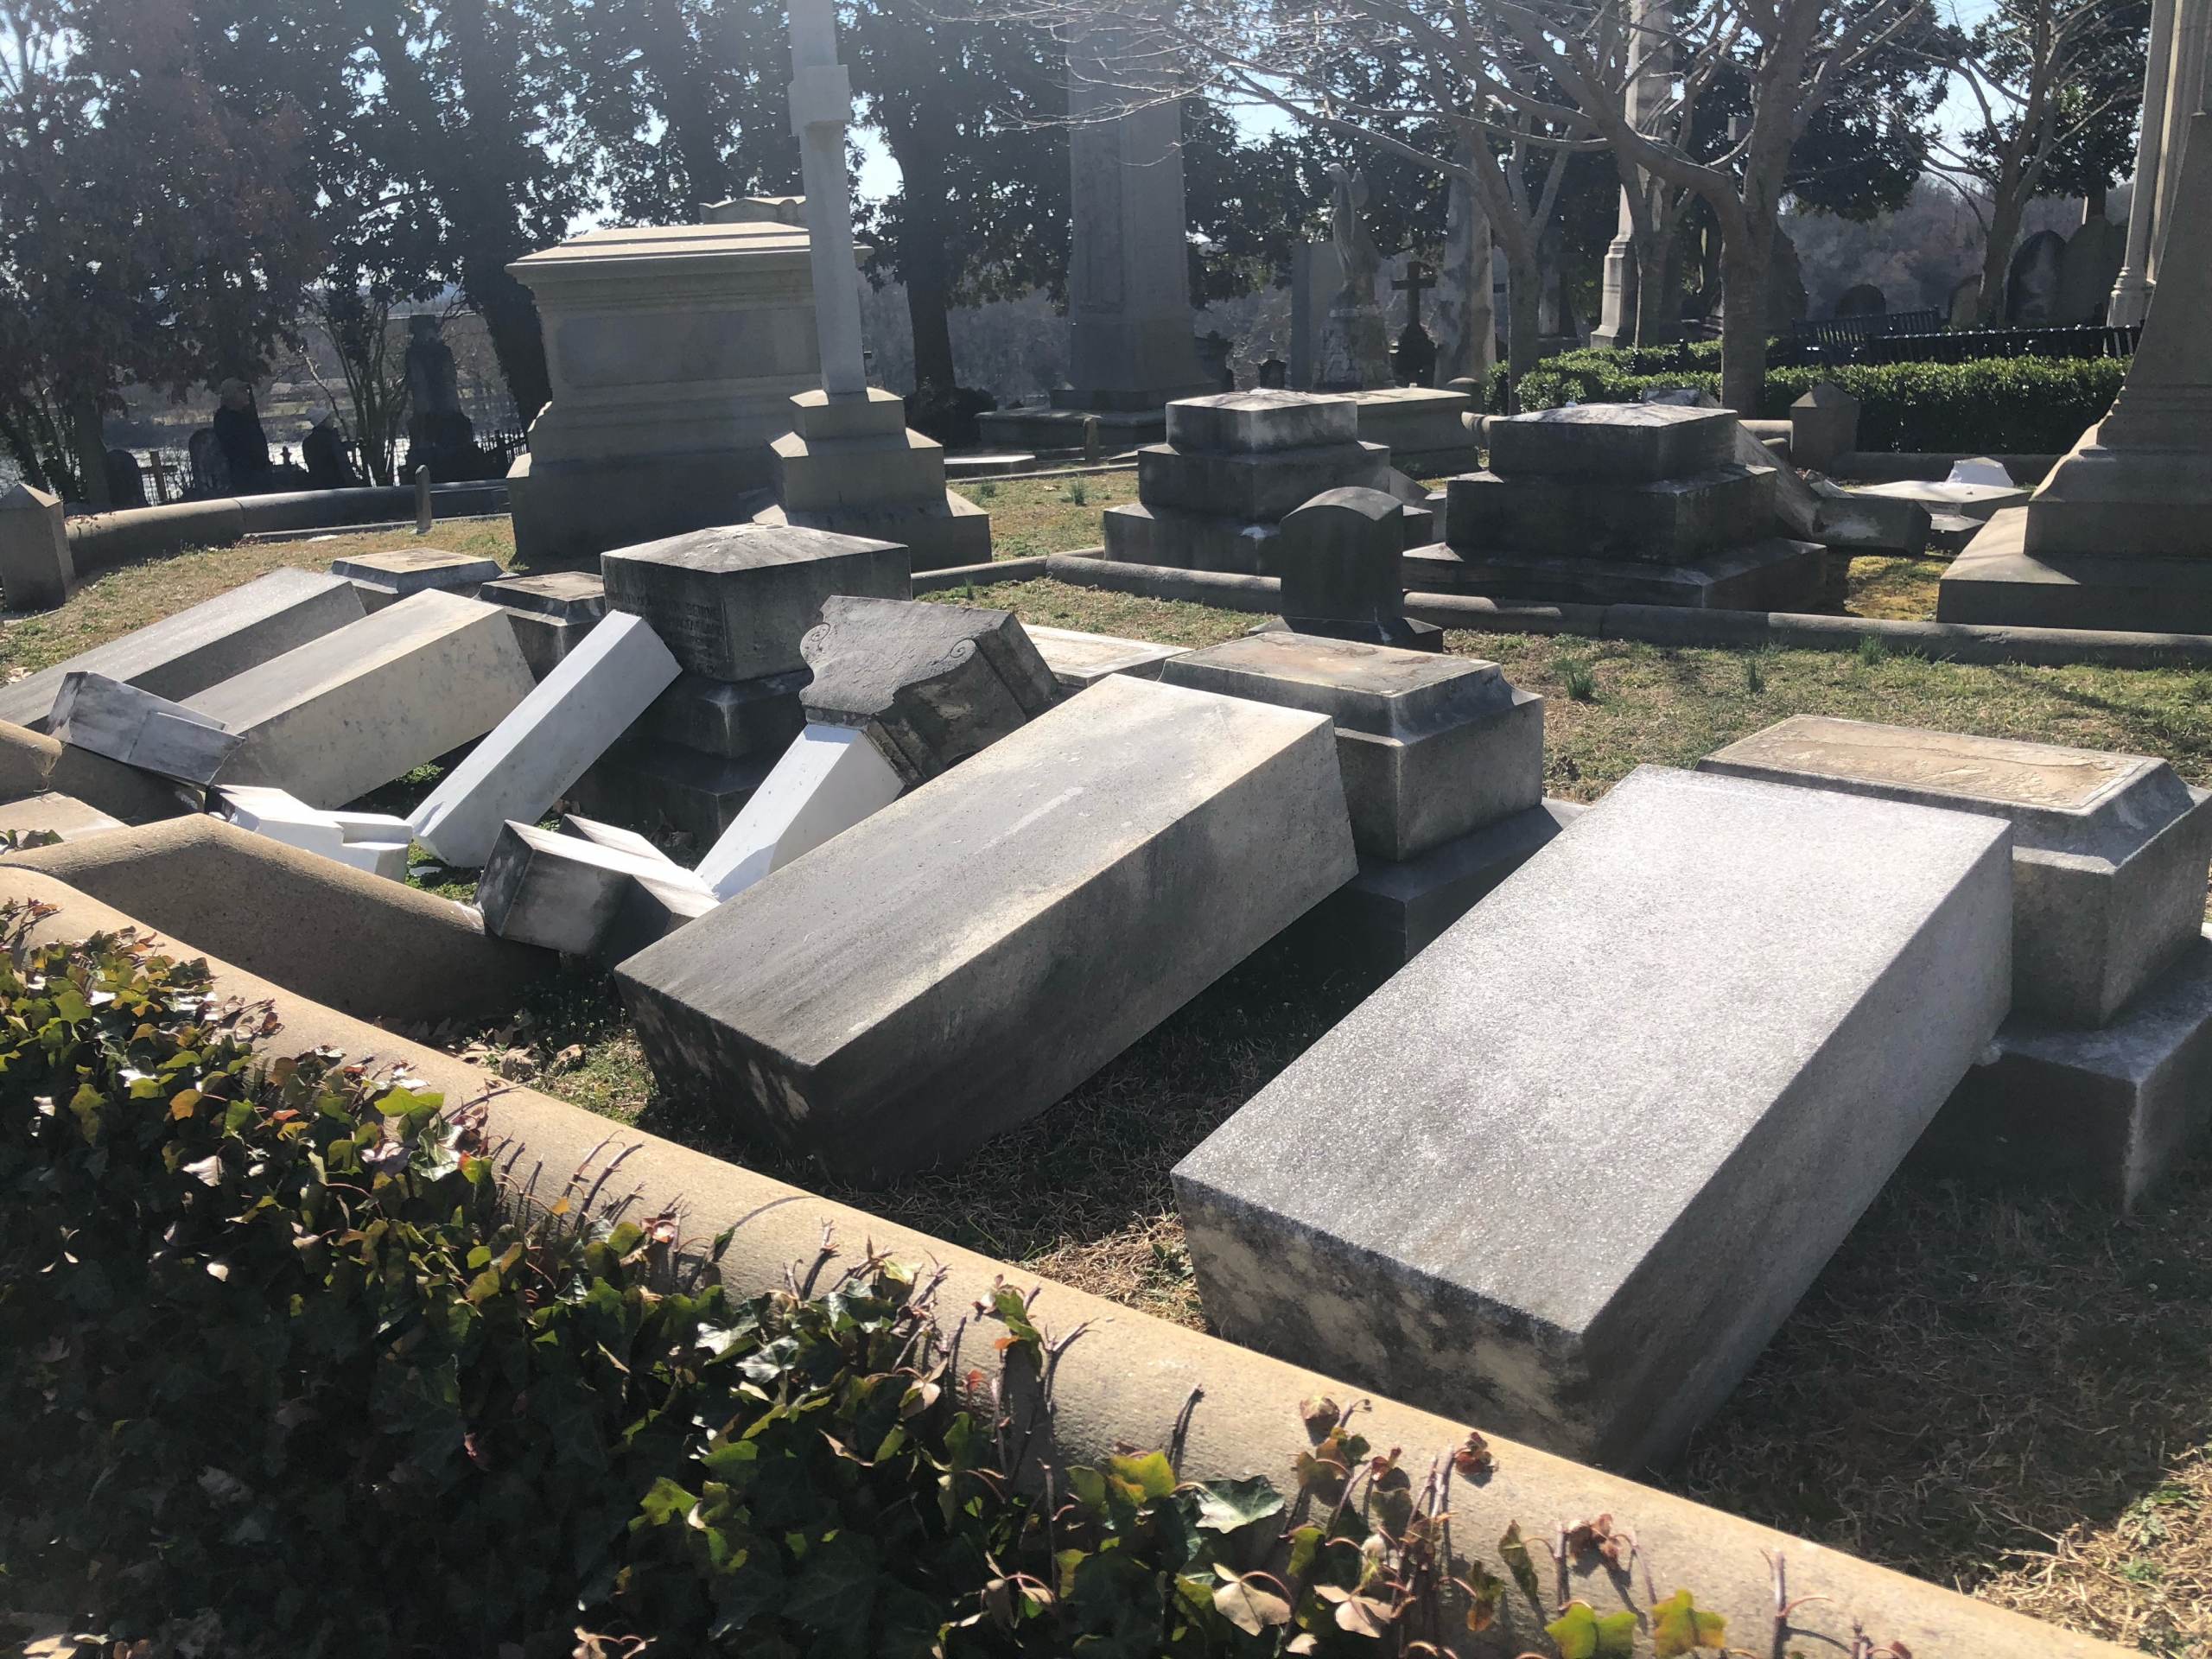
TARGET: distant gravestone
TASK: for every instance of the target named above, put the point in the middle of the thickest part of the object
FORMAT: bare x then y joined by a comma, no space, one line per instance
1965,301
126,480
2091,265
2032,279
1862,300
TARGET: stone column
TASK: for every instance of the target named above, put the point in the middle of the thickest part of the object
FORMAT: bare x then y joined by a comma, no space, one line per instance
1467,322
822,103
2185,91
1648,54
2131,294
1128,268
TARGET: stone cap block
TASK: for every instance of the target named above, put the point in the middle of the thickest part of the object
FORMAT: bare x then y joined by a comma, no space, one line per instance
930,684
565,595
409,571
1376,689
874,413
1264,485
1079,659
2085,802
733,603
1638,442
1258,421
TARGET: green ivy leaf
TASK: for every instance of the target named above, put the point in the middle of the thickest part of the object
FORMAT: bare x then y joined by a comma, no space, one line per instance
1680,1626
1146,1478
1520,1565
1226,1505
1581,1634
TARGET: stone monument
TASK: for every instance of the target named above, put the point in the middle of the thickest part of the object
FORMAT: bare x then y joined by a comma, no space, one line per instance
2174,84
2032,281
1353,351
2119,534
1131,349
1466,320
851,465
440,435
1651,53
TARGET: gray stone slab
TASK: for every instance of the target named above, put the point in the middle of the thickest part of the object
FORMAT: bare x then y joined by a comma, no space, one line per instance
1862,521
395,573
50,814
657,786
184,654
1431,745
1667,520
928,684
732,604
561,893
1774,574
1615,442
2107,1113
1136,534
1613,1121
565,595
954,964
544,744
152,733
734,719
1257,422
2110,851
1260,487
614,835
1996,582
335,718
1079,659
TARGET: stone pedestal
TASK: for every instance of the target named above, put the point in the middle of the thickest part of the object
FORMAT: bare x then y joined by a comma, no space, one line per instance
550,613
2119,534
1213,497
1421,426
1620,502
1823,424
673,352
1080,660
852,465
383,579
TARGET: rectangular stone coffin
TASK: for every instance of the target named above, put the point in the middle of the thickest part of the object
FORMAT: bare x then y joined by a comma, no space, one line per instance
732,604
1611,1123
2109,850
356,709
955,964
543,746
187,654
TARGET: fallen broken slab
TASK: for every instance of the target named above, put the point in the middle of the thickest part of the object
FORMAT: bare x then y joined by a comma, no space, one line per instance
1611,1123
958,962
107,717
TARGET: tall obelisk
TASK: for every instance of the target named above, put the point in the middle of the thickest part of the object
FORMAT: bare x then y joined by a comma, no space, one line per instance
850,464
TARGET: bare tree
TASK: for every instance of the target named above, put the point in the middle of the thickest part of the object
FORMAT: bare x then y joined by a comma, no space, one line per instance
2046,78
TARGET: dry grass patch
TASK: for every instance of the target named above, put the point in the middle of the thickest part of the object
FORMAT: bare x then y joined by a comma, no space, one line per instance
1031,516
1899,589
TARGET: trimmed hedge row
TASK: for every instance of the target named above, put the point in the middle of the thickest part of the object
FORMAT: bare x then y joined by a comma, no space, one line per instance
2005,405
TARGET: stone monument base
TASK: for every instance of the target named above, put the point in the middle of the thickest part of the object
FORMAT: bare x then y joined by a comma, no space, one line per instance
566,511
1997,580
1421,428
852,466
1125,419
1774,574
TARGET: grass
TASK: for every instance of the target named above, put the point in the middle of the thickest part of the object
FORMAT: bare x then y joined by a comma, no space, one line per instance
1031,516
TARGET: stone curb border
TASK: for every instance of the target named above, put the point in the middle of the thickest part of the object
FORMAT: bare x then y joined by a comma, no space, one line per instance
1130,1378
101,542
1658,625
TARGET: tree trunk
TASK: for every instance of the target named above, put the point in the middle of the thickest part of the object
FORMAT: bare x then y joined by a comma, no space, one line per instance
1523,294
511,318
2005,215
1658,303
88,445
1743,326
925,269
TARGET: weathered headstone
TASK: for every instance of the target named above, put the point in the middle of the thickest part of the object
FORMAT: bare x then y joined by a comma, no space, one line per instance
955,964
2109,851
2031,280
552,613
732,604
152,733
36,569
568,893
1823,424
543,746
209,642
1340,557
360,707
1615,1119
927,684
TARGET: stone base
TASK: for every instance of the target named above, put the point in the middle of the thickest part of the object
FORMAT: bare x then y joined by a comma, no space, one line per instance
1080,660
1387,914
850,465
1062,428
552,613
1667,518
1400,633
2102,1112
653,786
1775,574
937,538
1136,534
1421,426
566,511
1996,580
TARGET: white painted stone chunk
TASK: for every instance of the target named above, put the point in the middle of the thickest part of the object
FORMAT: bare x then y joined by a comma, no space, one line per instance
1613,1121
1980,469
830,779
109,718
589,700
375,842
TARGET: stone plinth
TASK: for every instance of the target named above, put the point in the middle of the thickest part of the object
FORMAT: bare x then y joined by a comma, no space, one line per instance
2109,851
927,684
668,786
732,604
1615,1119
1823,425
1431,746
383,577
187,652
731,719
1213,497
550,613
956,963
673,352
1647,504
1079,659
851,465
358,708
1421,426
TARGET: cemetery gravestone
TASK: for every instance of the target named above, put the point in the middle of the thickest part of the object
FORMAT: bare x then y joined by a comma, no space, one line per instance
36,569
196,648
1679,1010
2032,281
383,577
1340,557
1862,300
152,733
1078,660
552,613
956,962
565,893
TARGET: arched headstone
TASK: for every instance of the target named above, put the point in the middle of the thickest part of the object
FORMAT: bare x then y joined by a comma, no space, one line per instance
2032,279
1862,300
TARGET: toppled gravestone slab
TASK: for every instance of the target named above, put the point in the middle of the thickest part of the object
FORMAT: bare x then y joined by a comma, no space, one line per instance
335,719
929,685
2109,850
733,603
1079,659
1611,1123
956,963
152,733
196,648
829,779
574,893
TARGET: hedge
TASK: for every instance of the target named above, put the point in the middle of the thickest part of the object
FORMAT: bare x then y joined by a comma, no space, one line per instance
2008,405
287,1366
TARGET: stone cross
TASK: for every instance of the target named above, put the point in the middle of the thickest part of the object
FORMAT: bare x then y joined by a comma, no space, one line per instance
1415,282
822,103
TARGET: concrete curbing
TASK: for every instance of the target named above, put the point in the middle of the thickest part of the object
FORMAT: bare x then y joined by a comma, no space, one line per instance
1663,625
978,576
1131,1378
